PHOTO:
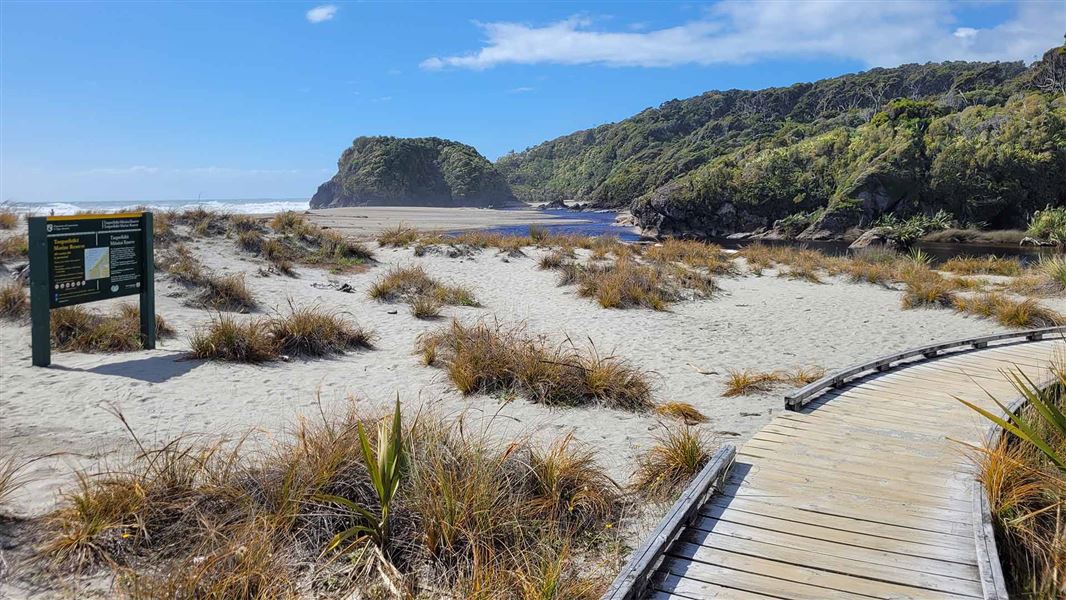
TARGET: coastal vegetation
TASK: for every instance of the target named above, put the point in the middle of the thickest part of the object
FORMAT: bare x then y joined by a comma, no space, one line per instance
494,359
14,247
78,329
9,219
215,291
916,148
748,381
1049,224
388,506
14,301
674,459
413,285
1024,474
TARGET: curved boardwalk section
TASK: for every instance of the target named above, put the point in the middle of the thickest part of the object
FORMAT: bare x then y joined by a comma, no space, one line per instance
865,492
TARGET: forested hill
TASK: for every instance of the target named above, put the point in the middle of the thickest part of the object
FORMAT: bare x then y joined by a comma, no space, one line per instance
390,171
983,141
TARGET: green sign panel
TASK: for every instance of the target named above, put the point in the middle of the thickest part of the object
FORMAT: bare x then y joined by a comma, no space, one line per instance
86,258
94,258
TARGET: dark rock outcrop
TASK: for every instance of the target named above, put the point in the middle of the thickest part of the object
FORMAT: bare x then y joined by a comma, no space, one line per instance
389,171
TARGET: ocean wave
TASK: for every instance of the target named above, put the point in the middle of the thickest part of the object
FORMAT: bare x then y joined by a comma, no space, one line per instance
257,206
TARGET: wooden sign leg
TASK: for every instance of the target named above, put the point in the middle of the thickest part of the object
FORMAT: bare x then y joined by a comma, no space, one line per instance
40,326
148,286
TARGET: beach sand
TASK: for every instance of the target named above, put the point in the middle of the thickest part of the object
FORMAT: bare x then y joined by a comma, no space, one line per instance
369,220
763,323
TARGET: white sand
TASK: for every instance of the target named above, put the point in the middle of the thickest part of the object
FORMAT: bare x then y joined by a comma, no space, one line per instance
756,322
370,220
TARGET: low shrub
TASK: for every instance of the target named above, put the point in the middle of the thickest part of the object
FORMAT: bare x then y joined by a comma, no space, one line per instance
76,329
250,240
241,223
626,283
425,307
288,222
14,247
1049,224
14,302
483,358
677,456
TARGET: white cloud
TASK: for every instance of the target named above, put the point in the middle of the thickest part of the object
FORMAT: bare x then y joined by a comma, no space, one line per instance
877,34
521,90
322,13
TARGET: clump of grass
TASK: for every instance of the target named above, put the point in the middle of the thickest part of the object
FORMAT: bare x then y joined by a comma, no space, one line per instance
76,329
229,339
226,292
682,411
484,358
250,241
310,244
288,222
1008,311
749,381
425,307
925,288
311,331
693,254
9,219
203,221
467,516
14,247
1046,278
400,236
626,283
241,223
408,284
676,457
12,477
553,260
987,265
14,302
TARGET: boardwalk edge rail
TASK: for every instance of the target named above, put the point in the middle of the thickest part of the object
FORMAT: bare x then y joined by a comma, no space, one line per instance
634,578
797,399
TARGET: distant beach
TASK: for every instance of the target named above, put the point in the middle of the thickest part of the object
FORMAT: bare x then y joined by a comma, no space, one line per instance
248,206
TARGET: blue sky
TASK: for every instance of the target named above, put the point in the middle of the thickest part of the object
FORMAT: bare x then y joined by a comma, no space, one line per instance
149,101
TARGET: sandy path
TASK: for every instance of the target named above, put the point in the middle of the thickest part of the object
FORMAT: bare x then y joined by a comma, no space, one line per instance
756,322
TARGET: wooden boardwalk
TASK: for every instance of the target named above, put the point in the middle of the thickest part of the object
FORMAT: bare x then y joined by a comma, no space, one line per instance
865,492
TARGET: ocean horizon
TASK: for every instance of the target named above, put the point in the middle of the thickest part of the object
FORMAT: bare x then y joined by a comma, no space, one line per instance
240,205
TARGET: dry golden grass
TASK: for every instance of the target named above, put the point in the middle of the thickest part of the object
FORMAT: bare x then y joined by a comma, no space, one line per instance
749,381
408,284
12,477
181,265
400,236
627,283
1027,494
250,240
288,222
229,339
682,411
76,329
471,517
14,302
307,243
985,265
484,358
202,221
9,219
694,254
226,292
1008,311
14,247
425,307
676,457
1046,278
244,223
554,259
925,288
311,331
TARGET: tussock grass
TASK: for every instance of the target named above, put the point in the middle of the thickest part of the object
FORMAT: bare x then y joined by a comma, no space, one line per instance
1046,278
627,283
487,358
471,517
682,411
400,236
14,302
9,219
311,331
14,247
676,457
226,338
226,292
925,288
985,265
749,381
306,331
409,284
202,222
288,222
250,240
425,307
1026,493
240,223
182,266
76,329
307,243
1008,311
554,260
12,477
694,254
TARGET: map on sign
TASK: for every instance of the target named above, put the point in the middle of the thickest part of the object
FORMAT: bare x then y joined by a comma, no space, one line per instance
97,263
94,257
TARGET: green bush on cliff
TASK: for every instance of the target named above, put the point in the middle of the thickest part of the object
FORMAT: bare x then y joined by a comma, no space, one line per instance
1049,224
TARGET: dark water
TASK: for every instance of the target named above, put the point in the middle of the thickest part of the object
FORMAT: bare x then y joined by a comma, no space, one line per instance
602,223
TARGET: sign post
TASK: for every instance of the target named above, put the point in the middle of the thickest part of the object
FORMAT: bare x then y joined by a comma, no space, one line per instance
86,258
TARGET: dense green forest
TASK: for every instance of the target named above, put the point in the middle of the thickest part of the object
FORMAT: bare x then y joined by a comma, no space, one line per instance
389,171
984,142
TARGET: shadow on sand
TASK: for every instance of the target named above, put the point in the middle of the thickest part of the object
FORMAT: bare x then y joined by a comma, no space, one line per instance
155,369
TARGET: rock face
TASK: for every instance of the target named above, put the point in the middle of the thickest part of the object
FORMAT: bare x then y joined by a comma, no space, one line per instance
389,171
